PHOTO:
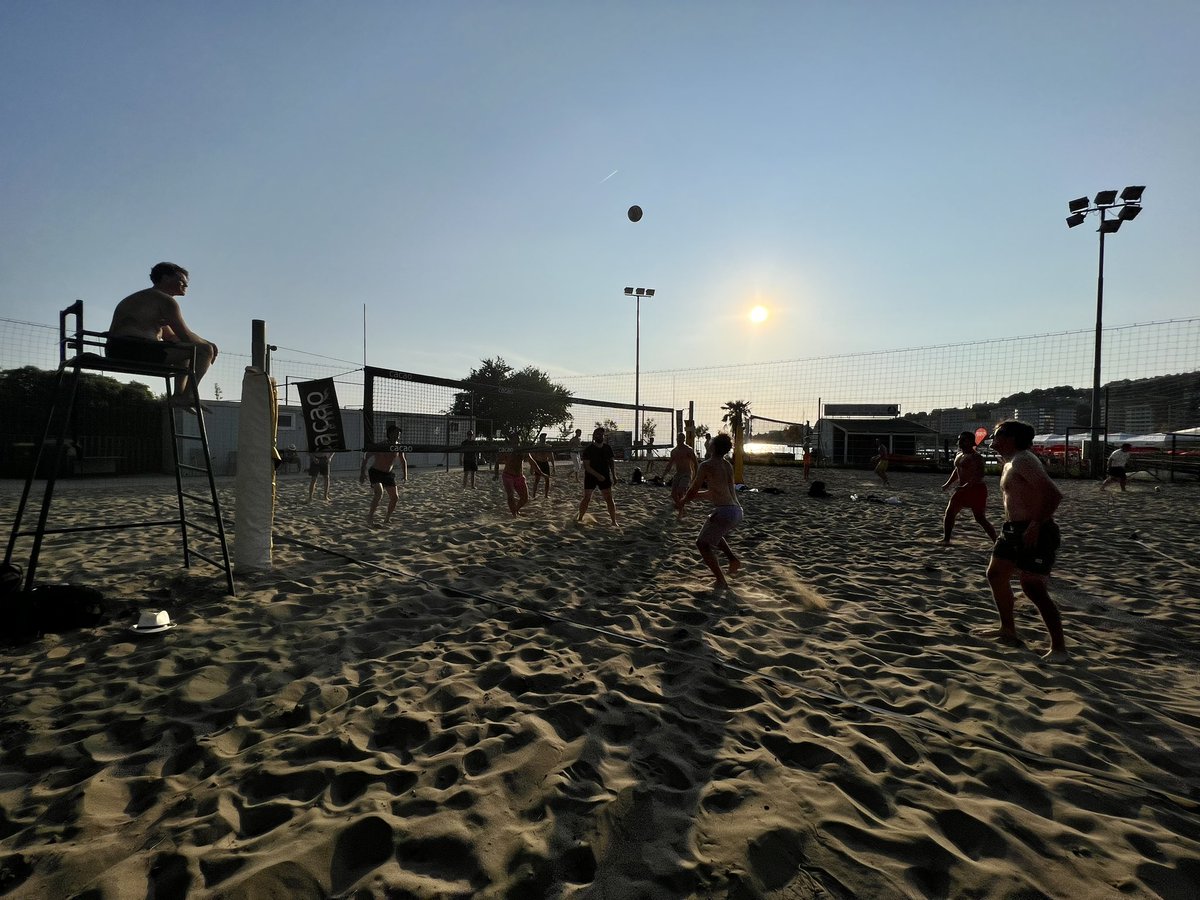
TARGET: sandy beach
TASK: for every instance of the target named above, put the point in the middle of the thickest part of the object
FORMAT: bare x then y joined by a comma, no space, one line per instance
467,705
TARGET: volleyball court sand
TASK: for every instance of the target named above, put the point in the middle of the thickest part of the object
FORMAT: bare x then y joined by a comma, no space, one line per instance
531,708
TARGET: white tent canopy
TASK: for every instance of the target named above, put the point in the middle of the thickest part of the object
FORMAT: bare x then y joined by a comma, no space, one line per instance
1157,439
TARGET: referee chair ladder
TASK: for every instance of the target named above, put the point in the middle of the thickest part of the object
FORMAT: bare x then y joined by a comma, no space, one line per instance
87,347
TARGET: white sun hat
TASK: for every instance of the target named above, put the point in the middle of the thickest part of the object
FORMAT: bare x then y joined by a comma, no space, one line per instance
153,622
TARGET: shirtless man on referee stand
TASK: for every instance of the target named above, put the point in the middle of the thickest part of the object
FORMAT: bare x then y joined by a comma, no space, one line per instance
148,327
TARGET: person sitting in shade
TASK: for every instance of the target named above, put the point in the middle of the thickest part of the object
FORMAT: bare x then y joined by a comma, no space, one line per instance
148,326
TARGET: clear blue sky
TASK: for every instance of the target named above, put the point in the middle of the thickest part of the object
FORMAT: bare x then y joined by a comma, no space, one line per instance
877,174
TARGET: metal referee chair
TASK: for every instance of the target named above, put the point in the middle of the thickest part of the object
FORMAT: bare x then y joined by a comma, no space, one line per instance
81,350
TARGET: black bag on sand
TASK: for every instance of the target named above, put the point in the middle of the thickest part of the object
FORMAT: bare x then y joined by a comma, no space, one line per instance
817,489
635,477
50,609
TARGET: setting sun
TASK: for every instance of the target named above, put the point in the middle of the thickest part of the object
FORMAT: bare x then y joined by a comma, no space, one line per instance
758,314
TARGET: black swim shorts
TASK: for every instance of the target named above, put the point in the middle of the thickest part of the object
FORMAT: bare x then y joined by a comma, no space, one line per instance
590,483
1036,560
387,479
136,349
1116,471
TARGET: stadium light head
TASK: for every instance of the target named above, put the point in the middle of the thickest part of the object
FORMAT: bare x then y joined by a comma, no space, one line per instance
629,291
1129,212
641,292
1078,205
1106,198
1133,193
1076,219
649,292
1110,226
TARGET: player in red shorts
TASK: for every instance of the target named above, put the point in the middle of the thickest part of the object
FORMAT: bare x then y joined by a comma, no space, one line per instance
971,492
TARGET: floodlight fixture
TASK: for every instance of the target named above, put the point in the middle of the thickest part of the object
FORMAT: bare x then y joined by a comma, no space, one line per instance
1133,193
1106,198
1110,226
1128,211
649,292
629,291
641,292
1078,205
1076,219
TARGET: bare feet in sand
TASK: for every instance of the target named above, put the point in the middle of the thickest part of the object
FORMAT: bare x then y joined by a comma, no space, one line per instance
734,566
1059,655
1001,637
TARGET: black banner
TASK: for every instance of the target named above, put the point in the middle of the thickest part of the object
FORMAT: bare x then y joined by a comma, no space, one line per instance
322,417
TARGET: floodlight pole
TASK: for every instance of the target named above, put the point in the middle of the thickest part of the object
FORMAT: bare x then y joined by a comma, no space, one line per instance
637,294
1097,452
1130,206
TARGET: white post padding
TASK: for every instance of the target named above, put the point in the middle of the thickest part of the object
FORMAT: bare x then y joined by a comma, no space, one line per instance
255,498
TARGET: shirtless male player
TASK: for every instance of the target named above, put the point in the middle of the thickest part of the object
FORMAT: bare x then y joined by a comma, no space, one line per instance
382,458
511,463
727,512
684,461
1029,536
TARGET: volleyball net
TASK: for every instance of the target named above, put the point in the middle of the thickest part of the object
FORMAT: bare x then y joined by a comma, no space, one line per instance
1150,382
435,414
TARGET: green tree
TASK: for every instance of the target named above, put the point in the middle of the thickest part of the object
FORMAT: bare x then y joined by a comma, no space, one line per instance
737,414
608,425
524,401
649,427
104,409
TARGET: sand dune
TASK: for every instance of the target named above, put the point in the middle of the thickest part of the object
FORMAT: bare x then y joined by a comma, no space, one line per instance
483,707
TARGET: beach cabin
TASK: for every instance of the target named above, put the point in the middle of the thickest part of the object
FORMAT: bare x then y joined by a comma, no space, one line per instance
853,441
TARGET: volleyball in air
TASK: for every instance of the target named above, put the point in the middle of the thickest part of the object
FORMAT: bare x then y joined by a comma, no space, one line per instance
635,214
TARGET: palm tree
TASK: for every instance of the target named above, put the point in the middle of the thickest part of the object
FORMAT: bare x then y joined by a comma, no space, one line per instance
737,414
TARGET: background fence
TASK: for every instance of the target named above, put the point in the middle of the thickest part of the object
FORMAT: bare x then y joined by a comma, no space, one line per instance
1151,375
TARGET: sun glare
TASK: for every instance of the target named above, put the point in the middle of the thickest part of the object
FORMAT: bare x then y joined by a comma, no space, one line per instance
758,314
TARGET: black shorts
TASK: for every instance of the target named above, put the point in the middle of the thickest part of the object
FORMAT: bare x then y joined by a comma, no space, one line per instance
136,349
544,465
318,467
1036,560
469,463
590,483
387,479
1116,471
